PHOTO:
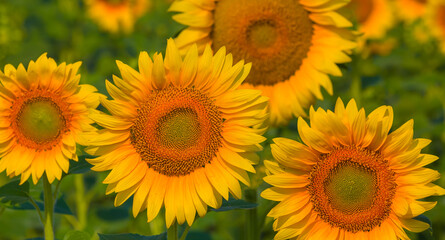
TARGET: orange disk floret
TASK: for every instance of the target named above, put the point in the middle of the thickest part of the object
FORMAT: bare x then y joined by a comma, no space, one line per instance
188,131
352,188
42,129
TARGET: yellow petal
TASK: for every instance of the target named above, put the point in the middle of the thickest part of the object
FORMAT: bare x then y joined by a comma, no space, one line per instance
158,73
156,196
236,160
189,208
287,180
313,138
414,225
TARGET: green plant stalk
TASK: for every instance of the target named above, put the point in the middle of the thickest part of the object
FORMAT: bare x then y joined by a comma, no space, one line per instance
263,215
49,209
184,234
81,202
37,209
251,216
172,232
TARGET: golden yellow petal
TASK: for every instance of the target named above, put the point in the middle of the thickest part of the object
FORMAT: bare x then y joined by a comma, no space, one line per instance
313,138
156,196
142,192
287,180
132,179
204,189
189,208
294,202
217,181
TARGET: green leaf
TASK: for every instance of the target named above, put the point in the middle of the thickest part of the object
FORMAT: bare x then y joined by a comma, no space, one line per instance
76,235
61,207
14,192
110,214
131,236
81,166
427,234
233,204
198,235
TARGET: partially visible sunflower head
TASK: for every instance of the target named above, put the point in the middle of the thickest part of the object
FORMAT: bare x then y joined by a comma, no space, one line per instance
44,113
374,18
293,45
435,21
180,134
350,178
117,15
410,10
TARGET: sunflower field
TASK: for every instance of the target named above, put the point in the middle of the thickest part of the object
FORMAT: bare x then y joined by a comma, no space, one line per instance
222,119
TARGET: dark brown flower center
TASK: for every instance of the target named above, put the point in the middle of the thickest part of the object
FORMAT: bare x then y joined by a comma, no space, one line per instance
274,35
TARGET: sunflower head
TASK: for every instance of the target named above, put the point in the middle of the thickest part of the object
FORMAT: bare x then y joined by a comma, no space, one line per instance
350,178
292,44
44,114
435,21
117,15
374,18
180,134
410,10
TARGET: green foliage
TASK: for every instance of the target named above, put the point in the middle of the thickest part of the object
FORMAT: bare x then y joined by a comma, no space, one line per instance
234,204
80,166
60,207
77,235
14,193
131,236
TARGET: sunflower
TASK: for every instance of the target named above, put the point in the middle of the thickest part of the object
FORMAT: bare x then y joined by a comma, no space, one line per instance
180,133
292,44
116,15
435,20
350,179
44,113
410,10
374,17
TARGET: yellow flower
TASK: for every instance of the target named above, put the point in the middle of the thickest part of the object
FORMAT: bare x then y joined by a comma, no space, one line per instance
410,10
435,20
44,113
116,15
180,134
350,179
292,44
374,17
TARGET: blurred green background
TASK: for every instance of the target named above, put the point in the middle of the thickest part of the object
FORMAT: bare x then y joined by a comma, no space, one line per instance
409,77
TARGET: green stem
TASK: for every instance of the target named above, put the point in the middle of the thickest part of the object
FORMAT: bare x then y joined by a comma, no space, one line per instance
57,189
184,234
49,209
172,232
263,215
81,201
251,216
37,209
